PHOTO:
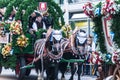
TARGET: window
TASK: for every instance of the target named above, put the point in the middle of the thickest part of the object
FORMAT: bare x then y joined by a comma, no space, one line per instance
61,1
73,1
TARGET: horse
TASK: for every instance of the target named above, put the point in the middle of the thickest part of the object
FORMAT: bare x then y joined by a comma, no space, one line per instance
48,54
74,48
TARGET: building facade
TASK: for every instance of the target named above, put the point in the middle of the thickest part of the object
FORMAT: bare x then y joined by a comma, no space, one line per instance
74,12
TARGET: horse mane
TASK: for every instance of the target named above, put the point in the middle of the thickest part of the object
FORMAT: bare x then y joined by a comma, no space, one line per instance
73,38
39,46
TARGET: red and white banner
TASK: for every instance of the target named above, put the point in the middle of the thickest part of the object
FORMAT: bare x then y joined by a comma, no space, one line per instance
108,38
42,6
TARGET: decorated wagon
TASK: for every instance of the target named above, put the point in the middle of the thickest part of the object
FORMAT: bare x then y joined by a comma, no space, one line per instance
105,16
17,44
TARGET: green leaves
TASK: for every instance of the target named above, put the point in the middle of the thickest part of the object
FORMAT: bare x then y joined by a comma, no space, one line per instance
116,28
99,31
4,3
9,9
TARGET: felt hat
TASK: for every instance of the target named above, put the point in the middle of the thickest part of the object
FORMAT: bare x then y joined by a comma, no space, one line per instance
38,14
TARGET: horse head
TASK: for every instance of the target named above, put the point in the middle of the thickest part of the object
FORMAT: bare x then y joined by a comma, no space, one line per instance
55,51
57,36
80,42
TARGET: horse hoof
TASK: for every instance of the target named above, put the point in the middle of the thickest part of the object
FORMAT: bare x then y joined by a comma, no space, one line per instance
70,79
62,78
109,78
40,78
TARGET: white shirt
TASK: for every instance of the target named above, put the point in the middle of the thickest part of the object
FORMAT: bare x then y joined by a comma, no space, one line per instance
34,26
93,46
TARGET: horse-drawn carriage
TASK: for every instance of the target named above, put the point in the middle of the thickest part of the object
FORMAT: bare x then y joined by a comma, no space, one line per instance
17,44
19,55
48,53
11,56
105,16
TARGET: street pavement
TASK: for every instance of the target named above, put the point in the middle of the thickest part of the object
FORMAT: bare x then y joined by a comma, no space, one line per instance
8,74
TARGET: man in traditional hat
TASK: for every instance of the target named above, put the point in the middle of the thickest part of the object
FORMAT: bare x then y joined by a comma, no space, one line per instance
32,19
39,23
35,22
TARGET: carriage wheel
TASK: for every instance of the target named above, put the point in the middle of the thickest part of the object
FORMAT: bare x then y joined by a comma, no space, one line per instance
20,72
28,72
116,74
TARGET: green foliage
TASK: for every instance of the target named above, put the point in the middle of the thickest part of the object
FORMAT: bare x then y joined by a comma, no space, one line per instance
53,9
72,25
12,3
29,6
63,34
56,13
28,12
99,31
116,28
8,62
22,7
99,5
117,1
39,33
4,3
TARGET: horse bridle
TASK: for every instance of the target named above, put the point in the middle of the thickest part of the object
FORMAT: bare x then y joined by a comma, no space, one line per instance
53,56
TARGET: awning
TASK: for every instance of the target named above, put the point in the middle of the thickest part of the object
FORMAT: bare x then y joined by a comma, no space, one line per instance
78,16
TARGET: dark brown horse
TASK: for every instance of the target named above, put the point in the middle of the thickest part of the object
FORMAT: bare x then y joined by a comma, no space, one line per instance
75,50
48,54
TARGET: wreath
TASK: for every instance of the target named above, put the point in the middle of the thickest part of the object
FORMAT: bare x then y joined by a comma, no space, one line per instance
107,9
28,6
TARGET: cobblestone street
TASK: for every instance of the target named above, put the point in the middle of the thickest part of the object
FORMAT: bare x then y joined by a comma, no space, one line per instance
8,74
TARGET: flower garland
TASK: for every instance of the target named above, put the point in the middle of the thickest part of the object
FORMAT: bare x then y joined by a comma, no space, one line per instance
89,9
29,6
22,41
67,30
6,50
109,8
16,27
